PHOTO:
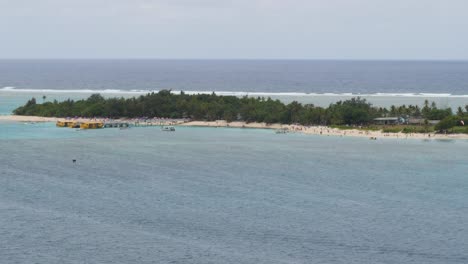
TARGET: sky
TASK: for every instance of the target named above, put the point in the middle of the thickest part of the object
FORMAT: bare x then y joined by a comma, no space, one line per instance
235,29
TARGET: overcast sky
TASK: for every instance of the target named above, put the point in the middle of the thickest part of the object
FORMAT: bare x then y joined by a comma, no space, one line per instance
214,29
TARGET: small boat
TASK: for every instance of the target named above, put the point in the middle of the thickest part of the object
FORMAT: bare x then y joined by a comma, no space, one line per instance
168,128
64,123
281,131
116,125
91,125
74,125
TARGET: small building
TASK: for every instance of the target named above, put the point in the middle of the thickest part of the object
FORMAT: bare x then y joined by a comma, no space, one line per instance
421,121
415,121
388,121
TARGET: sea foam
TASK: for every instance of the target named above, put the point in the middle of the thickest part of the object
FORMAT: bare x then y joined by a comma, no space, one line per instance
233,93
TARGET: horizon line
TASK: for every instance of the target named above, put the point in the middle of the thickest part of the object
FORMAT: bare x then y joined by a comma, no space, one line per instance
242,59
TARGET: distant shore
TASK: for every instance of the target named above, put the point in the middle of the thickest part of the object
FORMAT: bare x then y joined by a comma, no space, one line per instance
311,130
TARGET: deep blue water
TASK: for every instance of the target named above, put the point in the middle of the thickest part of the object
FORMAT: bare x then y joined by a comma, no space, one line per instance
271,76
212,195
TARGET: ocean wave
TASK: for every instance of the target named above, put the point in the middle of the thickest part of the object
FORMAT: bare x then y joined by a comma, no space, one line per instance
234,93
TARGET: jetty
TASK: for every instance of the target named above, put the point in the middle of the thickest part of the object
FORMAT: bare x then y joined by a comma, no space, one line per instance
116,125
111,123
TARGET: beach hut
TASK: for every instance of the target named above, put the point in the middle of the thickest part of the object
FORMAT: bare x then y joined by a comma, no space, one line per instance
387,121
421,121
416,121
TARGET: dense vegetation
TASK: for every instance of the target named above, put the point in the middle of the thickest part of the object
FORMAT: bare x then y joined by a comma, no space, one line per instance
355,111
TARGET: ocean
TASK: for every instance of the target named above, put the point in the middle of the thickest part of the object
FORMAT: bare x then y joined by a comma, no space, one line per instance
383,83
226,195
267,76
221,195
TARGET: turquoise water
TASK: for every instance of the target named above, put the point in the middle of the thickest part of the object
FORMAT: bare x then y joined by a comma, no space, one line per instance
10,101
219,195
19,130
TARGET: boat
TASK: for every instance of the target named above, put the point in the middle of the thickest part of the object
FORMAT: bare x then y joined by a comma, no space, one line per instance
91,125
281,131
168,128
116,125
74,125
64,123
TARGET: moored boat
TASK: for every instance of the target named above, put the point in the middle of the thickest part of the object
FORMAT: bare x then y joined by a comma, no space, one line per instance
91,125
64,123
281,131
74,125
168,128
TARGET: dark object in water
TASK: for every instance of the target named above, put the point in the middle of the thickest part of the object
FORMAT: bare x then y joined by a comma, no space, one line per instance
168,128
281,131
74,161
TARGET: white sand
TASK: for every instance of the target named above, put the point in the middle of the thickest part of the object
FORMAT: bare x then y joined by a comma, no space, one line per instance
27,118
17,118
314,130
326,131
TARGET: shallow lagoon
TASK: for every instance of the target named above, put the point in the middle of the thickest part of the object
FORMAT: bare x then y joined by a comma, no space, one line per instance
220,195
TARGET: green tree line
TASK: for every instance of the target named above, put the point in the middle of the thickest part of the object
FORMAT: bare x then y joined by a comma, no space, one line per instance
355,111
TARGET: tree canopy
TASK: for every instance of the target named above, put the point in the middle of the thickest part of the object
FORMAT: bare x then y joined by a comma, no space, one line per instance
356,111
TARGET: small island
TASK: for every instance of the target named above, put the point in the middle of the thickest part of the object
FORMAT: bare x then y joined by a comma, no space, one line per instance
354,117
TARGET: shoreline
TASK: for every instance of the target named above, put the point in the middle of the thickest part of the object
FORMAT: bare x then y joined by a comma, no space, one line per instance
325,130
309,130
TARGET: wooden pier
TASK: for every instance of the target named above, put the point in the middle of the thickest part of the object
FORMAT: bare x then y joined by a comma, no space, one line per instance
116,123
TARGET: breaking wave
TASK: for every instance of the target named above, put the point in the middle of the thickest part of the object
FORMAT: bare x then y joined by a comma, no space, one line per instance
272,94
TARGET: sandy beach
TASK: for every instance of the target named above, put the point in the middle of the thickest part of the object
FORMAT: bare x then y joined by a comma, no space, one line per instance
312,130
18,118
326,131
